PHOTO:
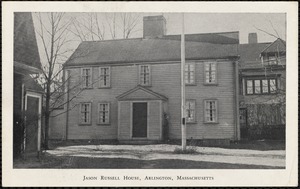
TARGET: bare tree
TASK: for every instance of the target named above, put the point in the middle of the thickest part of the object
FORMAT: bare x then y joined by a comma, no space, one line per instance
54,37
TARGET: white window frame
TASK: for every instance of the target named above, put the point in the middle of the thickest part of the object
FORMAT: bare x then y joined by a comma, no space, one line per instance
187,74
101,111
107,75
187,109
140,75
82,122
209,109
83,79
209,72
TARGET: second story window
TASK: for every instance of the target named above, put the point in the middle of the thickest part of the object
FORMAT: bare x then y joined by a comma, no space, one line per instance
86,75
189,74
261,86
145,77
104,77
210,72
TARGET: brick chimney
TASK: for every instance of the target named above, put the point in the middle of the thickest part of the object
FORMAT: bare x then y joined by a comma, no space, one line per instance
252,38
154,26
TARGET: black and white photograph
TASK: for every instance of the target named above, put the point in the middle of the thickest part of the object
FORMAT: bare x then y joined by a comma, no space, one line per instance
108,96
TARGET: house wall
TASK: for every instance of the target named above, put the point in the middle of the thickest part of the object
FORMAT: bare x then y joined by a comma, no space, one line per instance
57,129
165,80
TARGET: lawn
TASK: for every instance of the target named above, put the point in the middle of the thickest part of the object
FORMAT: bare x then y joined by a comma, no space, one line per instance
159,156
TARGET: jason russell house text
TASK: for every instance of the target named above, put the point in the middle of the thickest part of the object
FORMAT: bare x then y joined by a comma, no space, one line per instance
140,178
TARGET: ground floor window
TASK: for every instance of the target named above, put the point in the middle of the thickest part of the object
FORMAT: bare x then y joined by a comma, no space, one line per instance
190,107
85,111
103,109
211,111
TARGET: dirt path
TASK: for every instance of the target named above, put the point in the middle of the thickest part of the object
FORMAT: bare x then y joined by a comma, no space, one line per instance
272,158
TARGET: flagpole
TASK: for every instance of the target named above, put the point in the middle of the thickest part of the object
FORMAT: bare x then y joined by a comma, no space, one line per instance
183,119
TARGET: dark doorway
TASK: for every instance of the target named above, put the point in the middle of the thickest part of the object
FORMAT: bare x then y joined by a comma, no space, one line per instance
243,123
139,119
32,120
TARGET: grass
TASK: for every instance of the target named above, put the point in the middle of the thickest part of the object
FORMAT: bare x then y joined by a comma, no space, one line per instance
48,161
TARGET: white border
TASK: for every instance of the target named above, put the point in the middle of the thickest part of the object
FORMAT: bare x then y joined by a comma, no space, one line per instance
73,177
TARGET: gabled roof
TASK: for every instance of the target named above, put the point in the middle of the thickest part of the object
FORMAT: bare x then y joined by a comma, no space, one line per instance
215,38
250,54
146,50
278,45
141,93
32,85
26,52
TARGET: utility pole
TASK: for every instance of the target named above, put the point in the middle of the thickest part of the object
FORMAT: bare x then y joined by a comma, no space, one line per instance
183,117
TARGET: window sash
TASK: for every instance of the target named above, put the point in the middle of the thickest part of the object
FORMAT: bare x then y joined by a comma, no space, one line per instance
145,75
190,111
86,75
104,77
103,112
190,73
210,72
261,86
210,111
85,111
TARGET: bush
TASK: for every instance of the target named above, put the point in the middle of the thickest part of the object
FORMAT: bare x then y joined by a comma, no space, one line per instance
188,150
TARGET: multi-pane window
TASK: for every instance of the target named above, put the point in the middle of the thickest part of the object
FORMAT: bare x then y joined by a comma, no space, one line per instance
103,110
190,111
211,111
144,75
85,113
210,73
104,77
189,73
86,74
261,86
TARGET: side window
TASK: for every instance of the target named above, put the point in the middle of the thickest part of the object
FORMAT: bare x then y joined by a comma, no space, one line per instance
210,69
104,77
85,113
144,75
189,74
190,111
103,113
86,76
211,111
261,86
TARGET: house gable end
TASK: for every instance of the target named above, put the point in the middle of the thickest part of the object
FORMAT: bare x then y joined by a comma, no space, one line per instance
140,93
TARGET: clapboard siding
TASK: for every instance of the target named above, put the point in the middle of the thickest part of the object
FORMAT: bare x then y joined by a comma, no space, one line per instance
154,120
125,121
165,80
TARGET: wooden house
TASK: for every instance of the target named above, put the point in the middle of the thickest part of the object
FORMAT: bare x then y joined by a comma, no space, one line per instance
129,89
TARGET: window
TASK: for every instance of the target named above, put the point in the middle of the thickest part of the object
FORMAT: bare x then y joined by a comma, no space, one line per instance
272,59
211,111
210,73
86,74
104,77
145,75
261,86
190,108
189,74
103,110
85,113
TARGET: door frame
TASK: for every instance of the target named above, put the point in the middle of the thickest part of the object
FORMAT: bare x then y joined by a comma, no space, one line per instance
131,119
39,96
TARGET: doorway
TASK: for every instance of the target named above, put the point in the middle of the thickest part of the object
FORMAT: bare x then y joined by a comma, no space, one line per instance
139,119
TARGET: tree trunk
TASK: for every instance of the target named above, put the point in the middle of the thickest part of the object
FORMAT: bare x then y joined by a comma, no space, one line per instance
47,117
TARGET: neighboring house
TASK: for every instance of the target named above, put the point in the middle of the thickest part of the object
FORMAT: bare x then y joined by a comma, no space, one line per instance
27,102
262,89
129,89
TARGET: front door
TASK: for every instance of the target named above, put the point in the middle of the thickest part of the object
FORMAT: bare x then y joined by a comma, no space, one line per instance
32,123
139,119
